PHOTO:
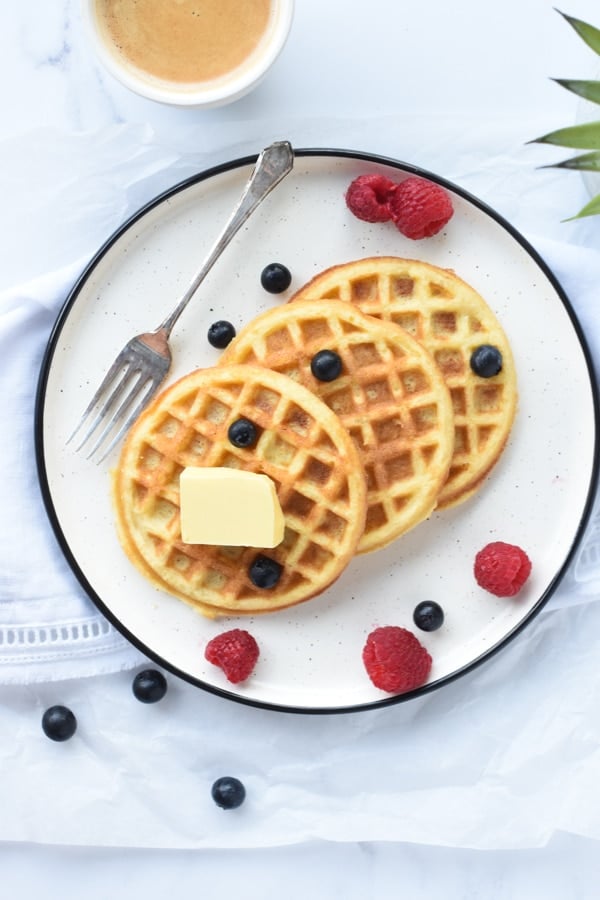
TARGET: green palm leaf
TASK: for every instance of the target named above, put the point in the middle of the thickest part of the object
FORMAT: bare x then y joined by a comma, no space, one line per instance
590,209
587,135
589,90
581,137
588,33
587,162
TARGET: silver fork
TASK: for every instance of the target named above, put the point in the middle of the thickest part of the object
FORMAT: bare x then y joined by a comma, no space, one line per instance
143,363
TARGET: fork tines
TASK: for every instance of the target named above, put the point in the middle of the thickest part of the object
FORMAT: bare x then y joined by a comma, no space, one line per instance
124,392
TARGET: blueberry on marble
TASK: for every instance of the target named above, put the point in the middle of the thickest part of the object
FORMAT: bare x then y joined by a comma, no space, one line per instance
242,433
486,361
428,615
220,334
265,572
326,365
59,723
228,792
275,278
149,686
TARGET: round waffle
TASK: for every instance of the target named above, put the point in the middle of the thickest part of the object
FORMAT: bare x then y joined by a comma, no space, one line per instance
450,319
389,395
302,446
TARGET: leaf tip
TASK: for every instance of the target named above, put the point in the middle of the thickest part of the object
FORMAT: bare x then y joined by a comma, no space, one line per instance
539,140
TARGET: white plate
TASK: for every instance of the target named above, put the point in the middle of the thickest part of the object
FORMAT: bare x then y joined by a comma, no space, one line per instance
538,496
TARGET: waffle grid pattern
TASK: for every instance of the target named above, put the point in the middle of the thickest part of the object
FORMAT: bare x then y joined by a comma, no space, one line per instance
301,446
390,397
450,320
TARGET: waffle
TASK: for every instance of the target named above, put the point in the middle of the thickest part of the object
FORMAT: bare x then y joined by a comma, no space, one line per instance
390,396
302,446
450,319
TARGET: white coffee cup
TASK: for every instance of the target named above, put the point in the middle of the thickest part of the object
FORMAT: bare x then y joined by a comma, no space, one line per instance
206,91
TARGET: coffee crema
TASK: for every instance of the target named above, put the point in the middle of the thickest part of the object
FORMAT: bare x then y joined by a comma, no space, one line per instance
184,41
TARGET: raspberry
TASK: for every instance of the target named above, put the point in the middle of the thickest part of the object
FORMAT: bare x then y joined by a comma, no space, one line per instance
235,652
419,208
395,660
502,569
367,197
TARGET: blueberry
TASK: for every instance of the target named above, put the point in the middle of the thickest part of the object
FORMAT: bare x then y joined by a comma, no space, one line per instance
59,723
486,361
228,792
275,278
220,334
242,433
265,572
428,615
326,365
149,686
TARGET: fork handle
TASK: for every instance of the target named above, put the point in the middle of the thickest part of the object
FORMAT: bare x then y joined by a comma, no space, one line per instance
272,165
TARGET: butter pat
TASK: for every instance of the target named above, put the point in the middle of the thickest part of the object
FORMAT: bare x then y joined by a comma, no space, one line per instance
229,507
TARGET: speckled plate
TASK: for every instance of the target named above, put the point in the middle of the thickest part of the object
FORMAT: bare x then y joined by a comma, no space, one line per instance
538,496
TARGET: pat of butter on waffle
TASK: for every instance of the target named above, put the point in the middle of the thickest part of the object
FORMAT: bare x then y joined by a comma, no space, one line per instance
229,507
302,447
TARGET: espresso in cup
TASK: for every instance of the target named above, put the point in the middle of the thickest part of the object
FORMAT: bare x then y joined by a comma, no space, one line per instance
179,46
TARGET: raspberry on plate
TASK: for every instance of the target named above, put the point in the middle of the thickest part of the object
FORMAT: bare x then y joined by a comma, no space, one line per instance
502,569
235,652
419,208
367,197
395,660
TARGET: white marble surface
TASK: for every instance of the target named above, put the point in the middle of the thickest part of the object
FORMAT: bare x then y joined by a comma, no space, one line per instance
458,88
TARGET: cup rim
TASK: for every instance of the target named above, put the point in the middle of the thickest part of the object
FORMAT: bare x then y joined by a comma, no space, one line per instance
194,95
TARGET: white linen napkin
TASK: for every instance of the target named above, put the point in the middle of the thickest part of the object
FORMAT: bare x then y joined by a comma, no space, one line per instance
48,627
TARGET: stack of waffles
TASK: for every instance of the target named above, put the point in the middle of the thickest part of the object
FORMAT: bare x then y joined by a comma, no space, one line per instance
406,426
